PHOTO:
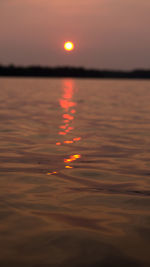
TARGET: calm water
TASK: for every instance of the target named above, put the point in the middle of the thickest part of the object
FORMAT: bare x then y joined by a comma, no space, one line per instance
74,173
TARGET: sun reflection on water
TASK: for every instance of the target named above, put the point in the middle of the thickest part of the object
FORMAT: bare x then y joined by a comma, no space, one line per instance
68,106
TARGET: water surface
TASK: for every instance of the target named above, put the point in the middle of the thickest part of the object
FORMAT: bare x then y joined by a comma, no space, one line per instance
74,172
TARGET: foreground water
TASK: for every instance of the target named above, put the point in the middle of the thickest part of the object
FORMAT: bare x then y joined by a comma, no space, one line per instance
74,173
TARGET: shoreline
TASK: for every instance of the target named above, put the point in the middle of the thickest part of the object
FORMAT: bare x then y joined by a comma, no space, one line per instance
70,72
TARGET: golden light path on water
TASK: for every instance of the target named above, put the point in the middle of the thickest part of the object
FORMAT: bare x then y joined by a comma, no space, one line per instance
69,110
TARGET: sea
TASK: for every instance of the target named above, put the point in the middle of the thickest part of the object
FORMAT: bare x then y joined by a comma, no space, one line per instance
74,172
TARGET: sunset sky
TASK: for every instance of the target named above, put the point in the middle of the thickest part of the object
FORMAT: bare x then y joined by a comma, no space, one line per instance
108,34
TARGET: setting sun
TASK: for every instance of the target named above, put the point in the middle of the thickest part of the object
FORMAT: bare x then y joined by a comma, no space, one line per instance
68,46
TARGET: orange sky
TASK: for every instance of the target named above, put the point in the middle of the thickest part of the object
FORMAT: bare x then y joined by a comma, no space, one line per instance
108,33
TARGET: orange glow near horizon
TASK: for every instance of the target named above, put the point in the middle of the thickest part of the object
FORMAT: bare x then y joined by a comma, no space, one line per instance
69,46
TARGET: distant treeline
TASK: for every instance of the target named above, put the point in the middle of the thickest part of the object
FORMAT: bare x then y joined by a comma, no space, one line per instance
76,72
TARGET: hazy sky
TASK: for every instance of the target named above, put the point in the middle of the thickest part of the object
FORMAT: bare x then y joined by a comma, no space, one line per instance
112,34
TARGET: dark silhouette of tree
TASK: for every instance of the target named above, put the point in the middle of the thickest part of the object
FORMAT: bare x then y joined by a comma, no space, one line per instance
72,72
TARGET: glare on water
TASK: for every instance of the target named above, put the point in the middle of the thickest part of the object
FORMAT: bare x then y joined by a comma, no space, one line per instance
74,172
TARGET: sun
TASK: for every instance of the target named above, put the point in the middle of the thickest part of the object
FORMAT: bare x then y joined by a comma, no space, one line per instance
68,46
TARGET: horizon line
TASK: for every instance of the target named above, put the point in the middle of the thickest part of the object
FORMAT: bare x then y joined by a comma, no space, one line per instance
12,65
